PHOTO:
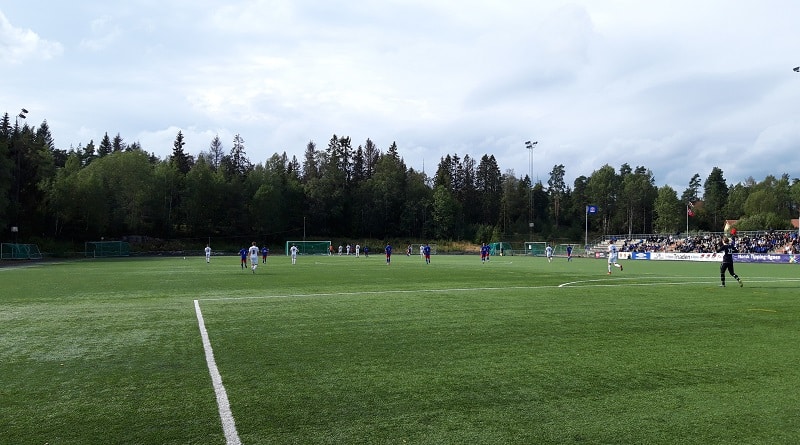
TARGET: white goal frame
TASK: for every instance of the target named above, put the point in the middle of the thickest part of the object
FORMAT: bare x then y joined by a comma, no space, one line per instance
415,249
534,248
302,251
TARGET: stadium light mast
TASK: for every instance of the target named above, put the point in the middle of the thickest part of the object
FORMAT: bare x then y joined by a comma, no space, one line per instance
530,145
797,70
22,115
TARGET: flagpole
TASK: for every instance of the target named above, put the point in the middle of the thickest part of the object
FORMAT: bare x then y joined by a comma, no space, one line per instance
687,219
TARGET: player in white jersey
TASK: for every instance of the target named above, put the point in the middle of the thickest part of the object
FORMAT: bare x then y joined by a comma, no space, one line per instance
293,252
208,253
613,256
253,252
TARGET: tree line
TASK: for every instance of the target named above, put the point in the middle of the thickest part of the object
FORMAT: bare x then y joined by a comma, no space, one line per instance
114,189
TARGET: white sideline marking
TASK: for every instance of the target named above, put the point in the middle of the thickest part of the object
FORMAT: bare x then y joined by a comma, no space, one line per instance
225,414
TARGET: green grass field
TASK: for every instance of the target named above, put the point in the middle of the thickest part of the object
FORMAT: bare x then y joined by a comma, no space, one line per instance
339,350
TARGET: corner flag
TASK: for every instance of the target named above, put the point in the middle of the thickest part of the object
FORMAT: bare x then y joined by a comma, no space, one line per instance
590,210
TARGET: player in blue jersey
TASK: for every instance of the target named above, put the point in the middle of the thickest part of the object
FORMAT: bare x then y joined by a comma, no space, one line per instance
264,254
388,251
485,251
569,252
243,255
426,252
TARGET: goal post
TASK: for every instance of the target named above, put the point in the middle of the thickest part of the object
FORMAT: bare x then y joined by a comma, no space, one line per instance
14,251
501,249
561,249
106,249
534,248
417,248
309,247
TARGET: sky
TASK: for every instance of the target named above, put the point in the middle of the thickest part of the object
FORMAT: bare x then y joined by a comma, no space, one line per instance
676,86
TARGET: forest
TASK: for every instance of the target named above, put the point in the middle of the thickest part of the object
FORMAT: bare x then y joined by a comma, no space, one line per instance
112,189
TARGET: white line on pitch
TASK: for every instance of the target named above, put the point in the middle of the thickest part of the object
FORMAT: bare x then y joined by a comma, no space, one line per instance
377,292
225,414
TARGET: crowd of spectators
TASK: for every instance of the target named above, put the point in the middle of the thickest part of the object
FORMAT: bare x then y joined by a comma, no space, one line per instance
750,242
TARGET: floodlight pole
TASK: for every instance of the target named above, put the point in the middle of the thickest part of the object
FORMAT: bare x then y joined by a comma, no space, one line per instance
22,115
530,145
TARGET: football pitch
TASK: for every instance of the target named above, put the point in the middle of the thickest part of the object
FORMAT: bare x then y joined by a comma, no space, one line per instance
345,350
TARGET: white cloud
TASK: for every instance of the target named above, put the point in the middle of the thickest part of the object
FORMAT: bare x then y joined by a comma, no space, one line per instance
104,32
18,45
676,86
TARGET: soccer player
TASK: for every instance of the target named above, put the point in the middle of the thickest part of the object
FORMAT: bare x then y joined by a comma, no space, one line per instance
727,261
243,255
208,253
358,250
253,251
264,254
388,251
548,252
569,252
293,252
484,252
426,251
613,256
422,251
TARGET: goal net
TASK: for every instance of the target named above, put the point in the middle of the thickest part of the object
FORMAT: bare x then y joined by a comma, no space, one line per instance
501,249
309,247
561,249
535,248
13,251
416,249
105,249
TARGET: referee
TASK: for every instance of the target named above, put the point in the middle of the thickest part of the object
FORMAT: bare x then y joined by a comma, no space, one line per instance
727,261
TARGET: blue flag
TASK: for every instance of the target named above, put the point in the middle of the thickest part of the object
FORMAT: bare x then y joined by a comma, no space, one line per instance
590,209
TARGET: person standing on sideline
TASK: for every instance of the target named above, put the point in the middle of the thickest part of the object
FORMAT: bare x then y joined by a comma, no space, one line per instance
388,251
208,253
613,256
243,255
264,254
253,251
426,251
293,252
727,261
569,252
548,252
